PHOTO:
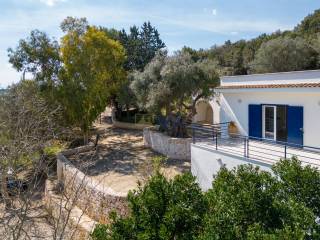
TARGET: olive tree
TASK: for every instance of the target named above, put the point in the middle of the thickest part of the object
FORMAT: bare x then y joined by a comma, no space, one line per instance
175,83
284,54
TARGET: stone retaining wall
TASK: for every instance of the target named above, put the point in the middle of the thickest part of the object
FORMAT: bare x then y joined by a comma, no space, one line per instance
96,200
58,207
175,148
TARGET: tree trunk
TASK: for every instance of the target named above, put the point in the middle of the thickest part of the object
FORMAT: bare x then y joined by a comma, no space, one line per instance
85,137
168,110
128,113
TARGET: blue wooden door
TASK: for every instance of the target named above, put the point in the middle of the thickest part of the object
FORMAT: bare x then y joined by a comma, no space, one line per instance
295,124
255,120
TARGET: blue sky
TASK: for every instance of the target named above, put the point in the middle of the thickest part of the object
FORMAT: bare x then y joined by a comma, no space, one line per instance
194,23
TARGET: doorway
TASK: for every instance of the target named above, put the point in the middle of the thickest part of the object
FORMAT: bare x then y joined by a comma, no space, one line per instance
274,123
282,123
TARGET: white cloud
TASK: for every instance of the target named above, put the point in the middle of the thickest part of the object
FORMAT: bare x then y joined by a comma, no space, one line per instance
51,3
214,12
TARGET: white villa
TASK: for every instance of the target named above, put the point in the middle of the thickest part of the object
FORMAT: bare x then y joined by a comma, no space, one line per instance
258,119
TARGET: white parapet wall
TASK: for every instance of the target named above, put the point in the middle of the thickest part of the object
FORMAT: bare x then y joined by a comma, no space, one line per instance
174,148
206,163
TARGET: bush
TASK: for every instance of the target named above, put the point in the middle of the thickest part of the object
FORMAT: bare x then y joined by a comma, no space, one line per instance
244,203
161,209
301,183
100,232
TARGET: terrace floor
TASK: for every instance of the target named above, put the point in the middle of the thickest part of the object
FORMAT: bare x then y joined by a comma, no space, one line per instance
262,151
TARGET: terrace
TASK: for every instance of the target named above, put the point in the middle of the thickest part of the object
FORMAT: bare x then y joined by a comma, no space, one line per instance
215,146
217,137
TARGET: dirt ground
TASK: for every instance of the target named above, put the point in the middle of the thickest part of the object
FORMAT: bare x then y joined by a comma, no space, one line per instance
122,160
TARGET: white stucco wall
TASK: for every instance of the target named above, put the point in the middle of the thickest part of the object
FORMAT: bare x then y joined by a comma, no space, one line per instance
201,108
239,100
205,112
206,163
174,148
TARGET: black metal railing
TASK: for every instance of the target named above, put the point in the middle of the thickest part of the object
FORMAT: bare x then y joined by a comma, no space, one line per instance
219,137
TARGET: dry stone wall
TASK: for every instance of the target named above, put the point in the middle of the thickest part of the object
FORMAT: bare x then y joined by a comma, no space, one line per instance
95,199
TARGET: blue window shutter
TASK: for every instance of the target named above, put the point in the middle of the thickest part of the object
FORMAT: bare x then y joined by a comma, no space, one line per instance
295,125
255,120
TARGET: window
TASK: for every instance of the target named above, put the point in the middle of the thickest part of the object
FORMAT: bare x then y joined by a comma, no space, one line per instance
269,122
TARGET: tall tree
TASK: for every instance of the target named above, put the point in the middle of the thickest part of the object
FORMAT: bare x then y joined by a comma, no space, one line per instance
141,45
40,56
310,24
175,83
81,74
79,25
91,74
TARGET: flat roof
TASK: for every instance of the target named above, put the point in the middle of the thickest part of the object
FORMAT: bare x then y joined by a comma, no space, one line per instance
272,73
299,85
285,79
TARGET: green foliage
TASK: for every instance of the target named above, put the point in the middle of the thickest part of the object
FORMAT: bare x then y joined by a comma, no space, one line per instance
53,149
158,162
296,54
310,24
141,45
244,203
100,232
302,183
162,209
71,24
174,82
81,74
91,74
125,97
235,58
39,55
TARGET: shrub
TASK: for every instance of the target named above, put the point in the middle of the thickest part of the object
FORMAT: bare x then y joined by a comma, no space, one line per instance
244,203
301,183
162,209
